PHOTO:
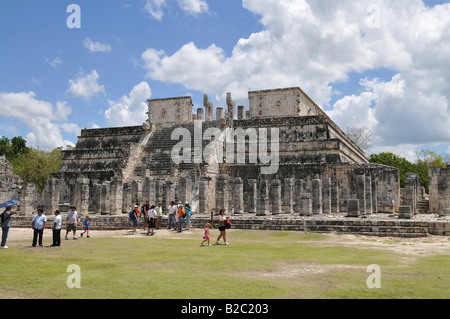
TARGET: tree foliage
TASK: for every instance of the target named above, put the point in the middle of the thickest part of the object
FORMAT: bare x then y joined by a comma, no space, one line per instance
13,148
426,159
37,165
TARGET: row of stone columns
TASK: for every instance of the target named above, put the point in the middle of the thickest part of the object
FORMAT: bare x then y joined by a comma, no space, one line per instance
272,197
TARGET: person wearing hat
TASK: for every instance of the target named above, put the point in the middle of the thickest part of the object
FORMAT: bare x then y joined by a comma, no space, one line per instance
188,212
151,220
6,224
57,224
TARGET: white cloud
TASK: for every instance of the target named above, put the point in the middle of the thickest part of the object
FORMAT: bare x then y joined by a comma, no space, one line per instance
193,6
155,8
129,110
40,117
55,62
93,47
313,44
86,86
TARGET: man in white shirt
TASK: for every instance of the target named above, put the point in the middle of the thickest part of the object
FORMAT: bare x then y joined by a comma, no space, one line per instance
38,225
172,209
57,224
72,222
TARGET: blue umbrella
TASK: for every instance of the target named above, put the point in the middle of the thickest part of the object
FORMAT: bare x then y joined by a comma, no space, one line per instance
9,203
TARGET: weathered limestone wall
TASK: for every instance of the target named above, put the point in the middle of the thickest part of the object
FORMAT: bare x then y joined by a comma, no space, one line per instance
439,183
170,110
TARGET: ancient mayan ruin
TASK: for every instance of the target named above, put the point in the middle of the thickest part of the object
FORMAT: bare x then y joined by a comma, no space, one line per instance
283,160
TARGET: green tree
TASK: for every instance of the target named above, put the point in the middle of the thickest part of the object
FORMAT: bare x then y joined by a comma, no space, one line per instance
390,159
427,159
13,148
37,165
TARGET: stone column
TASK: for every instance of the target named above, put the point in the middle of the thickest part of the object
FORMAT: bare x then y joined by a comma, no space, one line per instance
28,198
219,113
240,112
127,200
410,198
305,204
326,195
238,196
81,196
298,189
136,193
96,192
262,202
116,196
275,196
361,193
353,208
252,196
169,195
185,190
222,192
203,203
374,195
287,195
317,196
334,197
368,185
105,208
200,114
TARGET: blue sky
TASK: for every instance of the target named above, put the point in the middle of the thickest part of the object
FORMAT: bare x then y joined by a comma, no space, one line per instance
377,64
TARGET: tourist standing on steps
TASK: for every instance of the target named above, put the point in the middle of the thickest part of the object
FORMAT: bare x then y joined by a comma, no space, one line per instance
172,209
57,224
72,222
222,227
38,224
6,225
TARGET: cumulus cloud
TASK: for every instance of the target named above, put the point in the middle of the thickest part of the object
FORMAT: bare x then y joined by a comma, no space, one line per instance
41,117
129,110
93,47
155,8
315,44
193,6
86,86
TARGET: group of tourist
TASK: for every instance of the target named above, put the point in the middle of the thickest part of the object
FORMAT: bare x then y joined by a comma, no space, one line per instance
153,215
177,215
39,222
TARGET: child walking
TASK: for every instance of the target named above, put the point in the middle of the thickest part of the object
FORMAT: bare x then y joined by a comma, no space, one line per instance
87,226
206,238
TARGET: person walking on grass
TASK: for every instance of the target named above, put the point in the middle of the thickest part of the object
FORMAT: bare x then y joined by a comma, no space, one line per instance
206,237
72,222
151,216
38,224
57,224
86,226
6,225
222,227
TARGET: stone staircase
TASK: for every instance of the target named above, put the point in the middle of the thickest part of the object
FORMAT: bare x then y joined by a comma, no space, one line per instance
423,206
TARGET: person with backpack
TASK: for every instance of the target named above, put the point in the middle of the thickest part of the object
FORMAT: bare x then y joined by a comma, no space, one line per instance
222,227
6,225
180,217
134,218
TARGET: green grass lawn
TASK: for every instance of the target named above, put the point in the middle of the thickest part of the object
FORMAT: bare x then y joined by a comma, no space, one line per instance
256,265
